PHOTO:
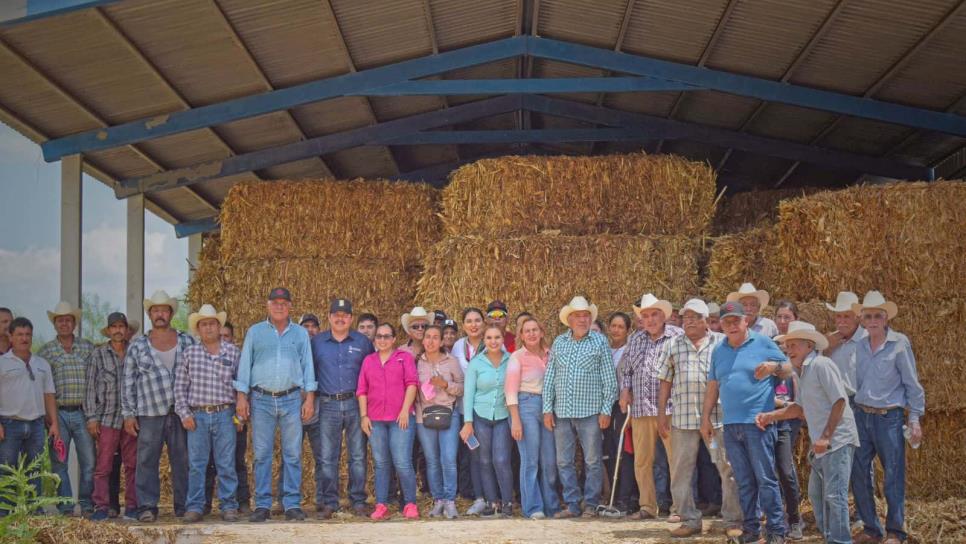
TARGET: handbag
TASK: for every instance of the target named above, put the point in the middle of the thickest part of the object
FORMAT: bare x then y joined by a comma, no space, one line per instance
437,417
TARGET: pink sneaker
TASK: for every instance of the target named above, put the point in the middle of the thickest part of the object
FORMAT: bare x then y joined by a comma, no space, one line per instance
380,512
411,511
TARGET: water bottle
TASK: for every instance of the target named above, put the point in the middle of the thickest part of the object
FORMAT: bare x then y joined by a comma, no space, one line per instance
713,450
907,433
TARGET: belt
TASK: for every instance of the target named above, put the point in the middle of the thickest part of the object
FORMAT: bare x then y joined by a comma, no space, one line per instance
875,411
73,408
275,394
212,408
17,418
345,395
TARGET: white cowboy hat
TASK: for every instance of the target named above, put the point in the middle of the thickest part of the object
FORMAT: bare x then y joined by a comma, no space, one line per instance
65,308
801,330
875,300
416,314
578,304
207,311
649,301
843,302
713,309
748,290
161,298
697,306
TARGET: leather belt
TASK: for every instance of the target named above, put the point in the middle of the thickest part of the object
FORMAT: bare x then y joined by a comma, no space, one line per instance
875,411
345,395
70,408
275,394
211,408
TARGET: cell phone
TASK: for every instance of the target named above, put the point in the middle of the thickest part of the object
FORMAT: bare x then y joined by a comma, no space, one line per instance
472,443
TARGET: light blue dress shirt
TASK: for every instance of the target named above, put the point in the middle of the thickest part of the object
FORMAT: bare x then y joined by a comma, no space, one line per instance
276,361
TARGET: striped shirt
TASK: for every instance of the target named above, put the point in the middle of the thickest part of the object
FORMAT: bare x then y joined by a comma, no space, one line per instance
580,379
148,384
203,379
105,381
686,368
70,370
639,368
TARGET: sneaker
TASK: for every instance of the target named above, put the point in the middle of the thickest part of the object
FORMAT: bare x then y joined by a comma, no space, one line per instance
192,517
449,510
489,511
230,516
147,517
506,511
411,511
380,513
437,510
130,515
112,513
294,514
100,515
794,531
477,508
538,515
684,531
259,515
589,512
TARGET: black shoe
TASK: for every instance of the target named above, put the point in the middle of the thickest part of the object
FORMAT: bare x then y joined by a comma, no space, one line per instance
294,514
259,515
663,512
710,510
506,511
243,508
324,512
488,512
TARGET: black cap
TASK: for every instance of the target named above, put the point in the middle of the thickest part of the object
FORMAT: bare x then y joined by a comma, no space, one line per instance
340,305
116,317
280,293
732,309
496,305
309,317
439,315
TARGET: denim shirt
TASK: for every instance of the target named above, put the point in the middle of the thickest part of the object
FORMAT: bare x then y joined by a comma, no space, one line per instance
888,378
276,362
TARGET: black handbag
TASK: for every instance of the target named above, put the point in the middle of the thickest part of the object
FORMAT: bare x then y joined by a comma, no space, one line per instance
437,417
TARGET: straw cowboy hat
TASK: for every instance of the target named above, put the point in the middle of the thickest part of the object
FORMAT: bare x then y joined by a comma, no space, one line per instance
748,290
649,301
843,302
800,330
161,298
65,308
578,304
416,314
875,300
207,311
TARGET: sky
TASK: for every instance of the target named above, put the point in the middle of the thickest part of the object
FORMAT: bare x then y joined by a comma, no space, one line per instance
30,238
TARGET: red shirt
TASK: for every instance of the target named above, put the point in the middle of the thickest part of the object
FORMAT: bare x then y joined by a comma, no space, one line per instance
384,385
510,341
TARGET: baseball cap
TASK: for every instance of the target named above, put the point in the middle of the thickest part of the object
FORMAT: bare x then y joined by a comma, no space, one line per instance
280,293
309,317
732,308
340,305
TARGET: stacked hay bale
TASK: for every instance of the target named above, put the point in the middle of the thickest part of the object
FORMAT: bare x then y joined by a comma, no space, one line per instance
535,231
740,212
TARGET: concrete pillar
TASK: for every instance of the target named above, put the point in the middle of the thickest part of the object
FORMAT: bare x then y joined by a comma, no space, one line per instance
135,260
194,257
71,200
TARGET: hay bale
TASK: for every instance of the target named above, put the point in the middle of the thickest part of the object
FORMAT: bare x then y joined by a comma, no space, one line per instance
542,273
742,211
737,258
207,284
936,522
361,218
618,194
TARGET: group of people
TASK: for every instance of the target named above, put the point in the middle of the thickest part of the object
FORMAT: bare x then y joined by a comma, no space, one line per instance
717,389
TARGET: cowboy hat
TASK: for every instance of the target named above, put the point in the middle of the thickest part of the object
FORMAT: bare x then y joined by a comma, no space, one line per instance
65,308
875,300
161,298
649,301
115,317
748,290
578,304
416,314
207,311
713,309
801,330
843,302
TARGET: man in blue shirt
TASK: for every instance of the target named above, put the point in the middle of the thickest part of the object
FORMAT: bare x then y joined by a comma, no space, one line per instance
338,354
276,371
745,371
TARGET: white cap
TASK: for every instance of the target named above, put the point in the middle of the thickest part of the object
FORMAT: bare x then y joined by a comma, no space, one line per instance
697,306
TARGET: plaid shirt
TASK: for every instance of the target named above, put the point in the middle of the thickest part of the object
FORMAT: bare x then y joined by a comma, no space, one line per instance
580,379
686,368
70,370
639,367
148,384
203,379
105,381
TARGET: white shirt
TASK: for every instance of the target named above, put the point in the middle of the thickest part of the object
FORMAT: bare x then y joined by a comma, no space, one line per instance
464,352
21,397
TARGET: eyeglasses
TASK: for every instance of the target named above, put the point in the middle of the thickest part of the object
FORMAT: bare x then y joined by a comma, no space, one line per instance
30,372
384,337
496,314
419,326
449,322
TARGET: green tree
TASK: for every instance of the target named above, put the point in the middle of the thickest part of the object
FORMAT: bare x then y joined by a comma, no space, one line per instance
94,312
180,319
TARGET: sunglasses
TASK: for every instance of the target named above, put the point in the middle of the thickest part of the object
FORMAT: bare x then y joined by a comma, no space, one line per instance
30,372
384,337
496,314
419,326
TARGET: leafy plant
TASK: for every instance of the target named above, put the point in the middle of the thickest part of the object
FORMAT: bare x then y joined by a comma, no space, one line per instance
22,494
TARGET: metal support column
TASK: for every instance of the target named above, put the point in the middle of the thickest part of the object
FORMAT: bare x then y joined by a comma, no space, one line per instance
70,230
135,260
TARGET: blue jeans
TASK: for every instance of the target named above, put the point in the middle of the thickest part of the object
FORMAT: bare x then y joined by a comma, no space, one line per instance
751,453
155,432
285,413
439,448
566,434
214,434
336,416
73,427
21,438
828,489
392,447
538,460
662,476
494,456
471,482
882,436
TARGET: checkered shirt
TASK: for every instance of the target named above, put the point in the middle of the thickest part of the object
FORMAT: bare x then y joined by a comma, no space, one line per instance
70,370
105,381
148,384
580,379
203,379
686,368
639,367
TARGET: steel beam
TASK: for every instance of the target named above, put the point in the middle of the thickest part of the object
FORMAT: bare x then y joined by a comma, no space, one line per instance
432,87
15,12
535,136
197,226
